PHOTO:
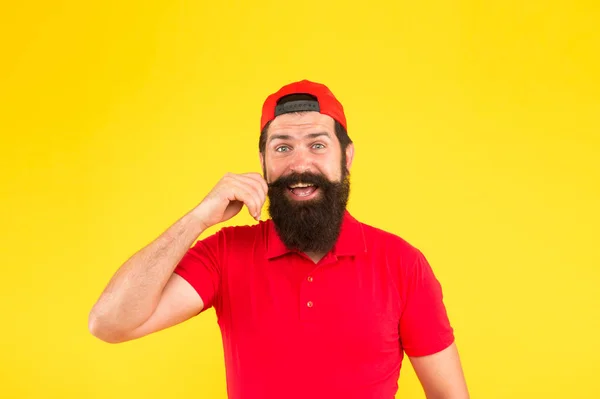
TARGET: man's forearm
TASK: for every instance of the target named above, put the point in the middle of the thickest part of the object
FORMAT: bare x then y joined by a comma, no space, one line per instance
134,291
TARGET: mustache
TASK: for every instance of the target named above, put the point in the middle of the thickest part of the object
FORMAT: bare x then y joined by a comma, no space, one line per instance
294,178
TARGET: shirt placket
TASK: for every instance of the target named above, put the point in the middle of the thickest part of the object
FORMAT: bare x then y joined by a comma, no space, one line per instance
311,290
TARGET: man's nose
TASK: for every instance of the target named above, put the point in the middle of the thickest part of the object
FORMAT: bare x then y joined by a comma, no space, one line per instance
301,162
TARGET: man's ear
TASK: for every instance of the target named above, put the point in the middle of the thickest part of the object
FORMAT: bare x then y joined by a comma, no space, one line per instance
349,156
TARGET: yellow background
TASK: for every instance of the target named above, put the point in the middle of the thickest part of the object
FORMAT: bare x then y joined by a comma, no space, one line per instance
476,127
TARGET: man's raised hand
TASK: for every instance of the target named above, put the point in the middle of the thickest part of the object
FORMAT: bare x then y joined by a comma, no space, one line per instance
228,196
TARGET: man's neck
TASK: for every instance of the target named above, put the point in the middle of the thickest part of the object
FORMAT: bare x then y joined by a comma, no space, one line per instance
316,256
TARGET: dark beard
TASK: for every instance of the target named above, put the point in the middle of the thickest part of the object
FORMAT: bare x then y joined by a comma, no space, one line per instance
313,225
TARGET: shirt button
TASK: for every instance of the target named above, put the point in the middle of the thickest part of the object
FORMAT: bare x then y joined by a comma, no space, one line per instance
309,304
310,279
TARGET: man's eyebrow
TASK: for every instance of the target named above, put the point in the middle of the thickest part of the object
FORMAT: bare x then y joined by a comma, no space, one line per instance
288,137
280,137
315,135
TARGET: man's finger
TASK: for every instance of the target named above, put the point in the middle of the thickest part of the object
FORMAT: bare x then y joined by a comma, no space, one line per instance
248,195
258,177
255,186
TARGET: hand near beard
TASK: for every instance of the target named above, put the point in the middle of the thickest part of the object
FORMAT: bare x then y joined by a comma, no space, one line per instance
229,195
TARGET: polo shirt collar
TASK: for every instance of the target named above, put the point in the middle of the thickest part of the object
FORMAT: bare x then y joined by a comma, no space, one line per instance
350,242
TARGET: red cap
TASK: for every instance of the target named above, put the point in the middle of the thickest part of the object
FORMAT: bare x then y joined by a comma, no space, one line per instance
328,104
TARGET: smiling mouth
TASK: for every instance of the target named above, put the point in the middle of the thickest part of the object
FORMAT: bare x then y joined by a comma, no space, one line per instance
302,189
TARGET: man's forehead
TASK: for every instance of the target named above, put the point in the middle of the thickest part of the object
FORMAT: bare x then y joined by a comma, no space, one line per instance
302,122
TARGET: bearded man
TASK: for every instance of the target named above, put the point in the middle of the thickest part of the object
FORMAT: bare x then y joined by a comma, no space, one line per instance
311,303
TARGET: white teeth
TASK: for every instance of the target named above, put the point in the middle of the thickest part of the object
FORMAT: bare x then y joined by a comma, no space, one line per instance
301,185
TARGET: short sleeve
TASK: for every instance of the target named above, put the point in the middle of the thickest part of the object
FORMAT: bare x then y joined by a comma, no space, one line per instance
424,325
201,267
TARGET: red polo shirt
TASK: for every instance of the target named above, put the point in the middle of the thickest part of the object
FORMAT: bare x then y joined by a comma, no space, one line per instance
336,329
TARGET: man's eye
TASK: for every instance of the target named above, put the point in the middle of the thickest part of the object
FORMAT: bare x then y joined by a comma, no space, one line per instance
318,146
283,148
